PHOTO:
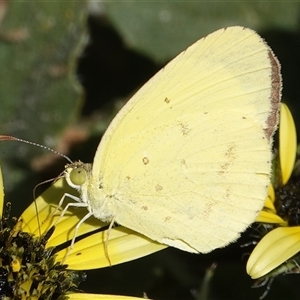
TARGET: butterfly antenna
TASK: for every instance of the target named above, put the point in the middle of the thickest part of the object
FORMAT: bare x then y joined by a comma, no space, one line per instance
12,138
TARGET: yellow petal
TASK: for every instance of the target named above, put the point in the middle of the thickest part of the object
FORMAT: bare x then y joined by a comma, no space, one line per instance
287,143
123,245
270,217
271,198
271,194
65,228
274,249
77,296
1,193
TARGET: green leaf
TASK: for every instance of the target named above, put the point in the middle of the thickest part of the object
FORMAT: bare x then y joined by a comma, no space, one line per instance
162,29
39,42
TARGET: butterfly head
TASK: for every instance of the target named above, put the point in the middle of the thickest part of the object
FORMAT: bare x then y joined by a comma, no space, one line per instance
77,174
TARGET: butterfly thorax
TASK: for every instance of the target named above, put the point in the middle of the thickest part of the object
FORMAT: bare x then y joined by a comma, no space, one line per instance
79,176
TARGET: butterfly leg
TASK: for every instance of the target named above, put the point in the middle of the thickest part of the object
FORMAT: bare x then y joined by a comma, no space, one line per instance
88,215
78,203
61,201
107,238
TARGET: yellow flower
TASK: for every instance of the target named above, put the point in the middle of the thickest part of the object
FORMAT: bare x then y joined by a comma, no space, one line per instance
47,272
275,252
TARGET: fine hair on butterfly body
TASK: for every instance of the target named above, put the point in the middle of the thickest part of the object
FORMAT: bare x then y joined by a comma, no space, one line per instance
187,161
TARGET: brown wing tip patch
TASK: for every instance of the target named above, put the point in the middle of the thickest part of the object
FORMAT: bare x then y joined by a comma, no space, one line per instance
276,80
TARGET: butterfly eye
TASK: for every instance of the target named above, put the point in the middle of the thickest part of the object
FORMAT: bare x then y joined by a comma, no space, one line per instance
78,176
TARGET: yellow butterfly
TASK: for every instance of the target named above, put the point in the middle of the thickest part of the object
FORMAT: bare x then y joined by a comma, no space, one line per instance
187,161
